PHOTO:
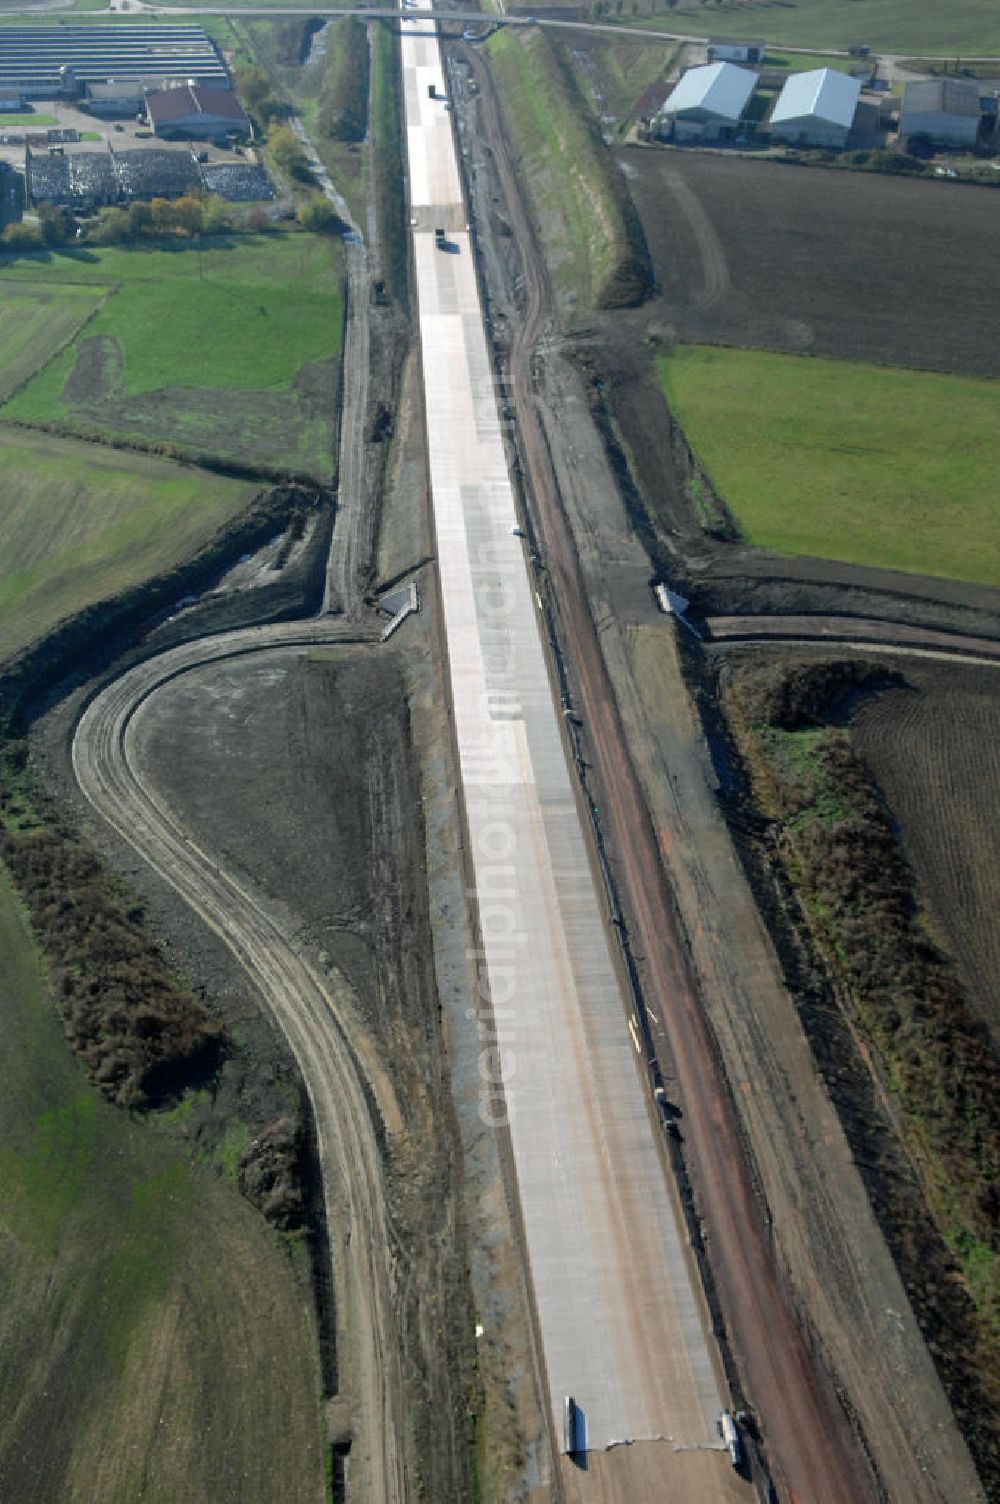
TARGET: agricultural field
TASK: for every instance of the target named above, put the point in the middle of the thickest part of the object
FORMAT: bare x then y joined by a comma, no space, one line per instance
750,253
154,1342
932,747
969,27
223,348
35,323
81,522
839,460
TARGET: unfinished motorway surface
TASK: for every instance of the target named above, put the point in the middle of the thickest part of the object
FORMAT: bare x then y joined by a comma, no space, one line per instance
621,1319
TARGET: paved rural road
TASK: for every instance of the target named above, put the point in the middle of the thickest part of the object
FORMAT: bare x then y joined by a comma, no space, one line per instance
351,1098
809,1441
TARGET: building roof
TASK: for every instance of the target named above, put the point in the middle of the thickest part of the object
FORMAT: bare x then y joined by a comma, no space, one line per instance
180,104
720,89
35,54
945,96
116,88
820,94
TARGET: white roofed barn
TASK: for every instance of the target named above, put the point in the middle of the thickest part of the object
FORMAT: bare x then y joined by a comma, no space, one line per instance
816,108
708,103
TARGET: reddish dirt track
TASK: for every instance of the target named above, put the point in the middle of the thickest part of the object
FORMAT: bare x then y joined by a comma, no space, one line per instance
813,1452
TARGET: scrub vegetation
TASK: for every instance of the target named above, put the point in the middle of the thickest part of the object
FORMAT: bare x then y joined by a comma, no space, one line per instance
80,523
228,348
119,1376
840,460
594,243
837,848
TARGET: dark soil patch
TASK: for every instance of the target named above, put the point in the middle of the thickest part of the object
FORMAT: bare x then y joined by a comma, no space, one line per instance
266,427
861,267
933,748
97,372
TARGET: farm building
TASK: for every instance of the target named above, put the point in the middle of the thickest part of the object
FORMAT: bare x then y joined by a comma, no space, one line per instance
816,108
52,62
116,98
11,102
708,103
726,50
945,110
193,114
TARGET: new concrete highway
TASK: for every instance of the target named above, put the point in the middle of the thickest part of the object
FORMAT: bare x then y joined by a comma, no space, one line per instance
619,1309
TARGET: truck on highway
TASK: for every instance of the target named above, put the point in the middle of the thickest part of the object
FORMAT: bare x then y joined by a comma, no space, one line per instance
569,1426
730,1433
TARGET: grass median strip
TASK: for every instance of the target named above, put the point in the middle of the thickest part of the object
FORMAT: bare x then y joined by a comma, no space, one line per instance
841,460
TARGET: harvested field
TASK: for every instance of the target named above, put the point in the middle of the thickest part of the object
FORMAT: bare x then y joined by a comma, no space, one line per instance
839,460
35,322
79,523
154,1340
226,348
933,750
749,252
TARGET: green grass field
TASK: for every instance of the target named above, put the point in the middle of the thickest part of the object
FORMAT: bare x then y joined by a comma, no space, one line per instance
962,27
798,62
27,119
80,522
232,348
35,322
154,1343
859,463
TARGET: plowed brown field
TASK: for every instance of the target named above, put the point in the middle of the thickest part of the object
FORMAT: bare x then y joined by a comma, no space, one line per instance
751,252
934,748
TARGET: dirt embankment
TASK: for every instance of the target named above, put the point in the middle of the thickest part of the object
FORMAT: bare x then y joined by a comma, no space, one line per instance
911,1070
89,642
302,782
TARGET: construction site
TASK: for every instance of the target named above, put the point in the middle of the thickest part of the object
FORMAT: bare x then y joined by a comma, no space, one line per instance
464,785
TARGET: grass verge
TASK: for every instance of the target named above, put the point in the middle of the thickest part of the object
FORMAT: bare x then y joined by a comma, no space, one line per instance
153,1341
387,160
841,460
594,242
221,347
80,523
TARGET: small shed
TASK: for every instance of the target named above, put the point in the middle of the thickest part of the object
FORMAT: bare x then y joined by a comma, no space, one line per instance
728,50
946,111
816,108
708,103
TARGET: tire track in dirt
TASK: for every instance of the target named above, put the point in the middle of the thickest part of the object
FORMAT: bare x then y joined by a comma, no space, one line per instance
714,266
351,1097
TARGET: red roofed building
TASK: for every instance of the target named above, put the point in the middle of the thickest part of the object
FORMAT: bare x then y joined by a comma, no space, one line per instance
195,114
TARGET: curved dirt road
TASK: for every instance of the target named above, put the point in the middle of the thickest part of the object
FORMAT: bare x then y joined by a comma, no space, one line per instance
345,1085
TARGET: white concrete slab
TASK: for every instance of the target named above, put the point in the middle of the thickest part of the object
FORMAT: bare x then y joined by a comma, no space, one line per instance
622,1321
